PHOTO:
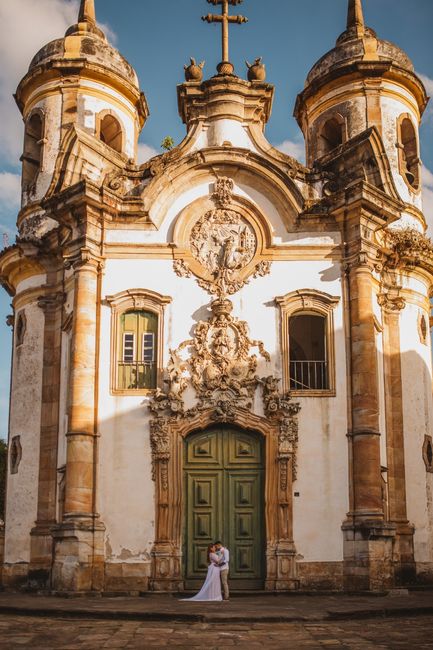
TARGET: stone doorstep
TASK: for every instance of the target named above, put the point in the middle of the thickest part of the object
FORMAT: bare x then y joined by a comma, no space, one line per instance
111,611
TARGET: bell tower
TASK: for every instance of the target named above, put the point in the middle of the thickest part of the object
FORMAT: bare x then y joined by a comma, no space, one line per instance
78,95
365,83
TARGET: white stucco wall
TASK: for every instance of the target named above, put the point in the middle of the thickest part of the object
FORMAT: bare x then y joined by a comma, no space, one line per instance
25,421
126,490
417,415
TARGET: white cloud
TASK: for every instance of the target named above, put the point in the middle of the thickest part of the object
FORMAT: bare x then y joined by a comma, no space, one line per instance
427,197
25,27
10,191
428,83
145,152
294,148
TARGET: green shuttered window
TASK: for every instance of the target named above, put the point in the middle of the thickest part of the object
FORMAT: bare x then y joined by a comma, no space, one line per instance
137,355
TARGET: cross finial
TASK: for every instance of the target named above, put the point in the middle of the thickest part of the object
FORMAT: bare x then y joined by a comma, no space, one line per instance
225,67
87,12
355,16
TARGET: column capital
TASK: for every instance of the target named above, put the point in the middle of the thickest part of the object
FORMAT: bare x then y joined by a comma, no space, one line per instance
390,300
85,259
361,261
51,302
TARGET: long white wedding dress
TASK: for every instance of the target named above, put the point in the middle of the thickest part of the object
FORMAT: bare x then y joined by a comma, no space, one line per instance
211,589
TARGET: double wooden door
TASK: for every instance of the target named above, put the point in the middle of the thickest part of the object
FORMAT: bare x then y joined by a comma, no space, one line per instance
224,500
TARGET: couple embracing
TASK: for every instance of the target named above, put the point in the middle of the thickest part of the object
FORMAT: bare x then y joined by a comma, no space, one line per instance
215,586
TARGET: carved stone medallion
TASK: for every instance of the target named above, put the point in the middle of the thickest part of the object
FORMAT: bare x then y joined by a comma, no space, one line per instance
223,245
223,242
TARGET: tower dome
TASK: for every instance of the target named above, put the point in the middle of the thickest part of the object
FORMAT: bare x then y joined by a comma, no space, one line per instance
362,83
86,40
358,43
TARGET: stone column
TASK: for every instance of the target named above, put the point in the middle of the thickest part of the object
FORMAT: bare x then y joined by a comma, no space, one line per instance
367,488
404,561
41,538
2,549
79,554
368,541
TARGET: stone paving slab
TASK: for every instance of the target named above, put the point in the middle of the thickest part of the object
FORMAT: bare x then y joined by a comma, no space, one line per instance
257,609
40,633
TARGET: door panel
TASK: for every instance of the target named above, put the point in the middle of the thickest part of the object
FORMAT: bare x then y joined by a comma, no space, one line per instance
224,500
204,496
246,535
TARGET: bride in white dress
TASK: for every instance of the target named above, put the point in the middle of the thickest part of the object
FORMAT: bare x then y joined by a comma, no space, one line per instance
211,589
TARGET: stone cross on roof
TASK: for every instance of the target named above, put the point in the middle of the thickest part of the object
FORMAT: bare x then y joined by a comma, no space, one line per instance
225,67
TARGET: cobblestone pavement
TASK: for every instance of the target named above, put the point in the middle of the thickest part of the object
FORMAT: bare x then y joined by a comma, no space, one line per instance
65,634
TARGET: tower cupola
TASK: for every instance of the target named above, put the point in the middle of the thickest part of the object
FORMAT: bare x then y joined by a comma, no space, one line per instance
365,82
81,87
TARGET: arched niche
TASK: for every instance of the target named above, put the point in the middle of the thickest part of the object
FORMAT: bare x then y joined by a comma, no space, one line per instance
250,171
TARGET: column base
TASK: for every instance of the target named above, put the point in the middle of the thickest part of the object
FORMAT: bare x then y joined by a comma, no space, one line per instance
166,568
41,555
404,554
78,556
2,550
281,570
368,556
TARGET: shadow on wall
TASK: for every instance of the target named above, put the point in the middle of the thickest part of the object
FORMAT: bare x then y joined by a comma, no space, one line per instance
3,465
124,478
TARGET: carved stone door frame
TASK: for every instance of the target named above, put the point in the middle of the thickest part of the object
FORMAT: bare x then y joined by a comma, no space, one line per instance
169,498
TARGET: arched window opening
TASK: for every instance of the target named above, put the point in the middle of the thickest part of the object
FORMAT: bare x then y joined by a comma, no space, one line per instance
33,146
20,329
110,133
308,364
409,160
331,136
137,350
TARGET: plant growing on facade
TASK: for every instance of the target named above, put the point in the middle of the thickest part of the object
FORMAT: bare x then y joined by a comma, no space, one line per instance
168,143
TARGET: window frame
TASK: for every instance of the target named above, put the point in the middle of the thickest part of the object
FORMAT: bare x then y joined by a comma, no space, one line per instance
402,166
120,303
98,131
308,302
25,158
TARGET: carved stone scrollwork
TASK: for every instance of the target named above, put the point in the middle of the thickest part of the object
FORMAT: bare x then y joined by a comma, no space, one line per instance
280,407
181,268
160,446
213,378
218,365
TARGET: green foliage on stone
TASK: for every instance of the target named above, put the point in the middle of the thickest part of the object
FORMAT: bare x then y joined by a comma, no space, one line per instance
167,143
3,460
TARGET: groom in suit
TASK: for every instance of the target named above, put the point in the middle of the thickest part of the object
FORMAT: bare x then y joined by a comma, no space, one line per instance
224,554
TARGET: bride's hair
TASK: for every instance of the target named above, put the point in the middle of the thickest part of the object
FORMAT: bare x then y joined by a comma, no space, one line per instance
209,551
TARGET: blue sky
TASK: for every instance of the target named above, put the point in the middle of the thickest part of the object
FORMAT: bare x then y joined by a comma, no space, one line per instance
159,36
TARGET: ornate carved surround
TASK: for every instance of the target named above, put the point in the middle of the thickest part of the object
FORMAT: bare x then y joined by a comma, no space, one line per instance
167,569
215,373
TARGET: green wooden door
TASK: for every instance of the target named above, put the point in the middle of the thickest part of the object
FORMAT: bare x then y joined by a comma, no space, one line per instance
224,481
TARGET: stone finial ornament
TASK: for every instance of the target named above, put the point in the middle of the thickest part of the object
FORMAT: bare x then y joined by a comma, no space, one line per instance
194,71
256,71
87,12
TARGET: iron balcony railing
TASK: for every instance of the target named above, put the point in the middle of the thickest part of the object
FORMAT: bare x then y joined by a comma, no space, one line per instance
136,374
309,375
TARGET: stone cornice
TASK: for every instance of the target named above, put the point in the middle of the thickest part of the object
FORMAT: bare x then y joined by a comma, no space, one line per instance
80,68
225,97
349,72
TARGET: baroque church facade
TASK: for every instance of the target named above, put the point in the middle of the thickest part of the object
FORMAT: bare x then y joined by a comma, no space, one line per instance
221,342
